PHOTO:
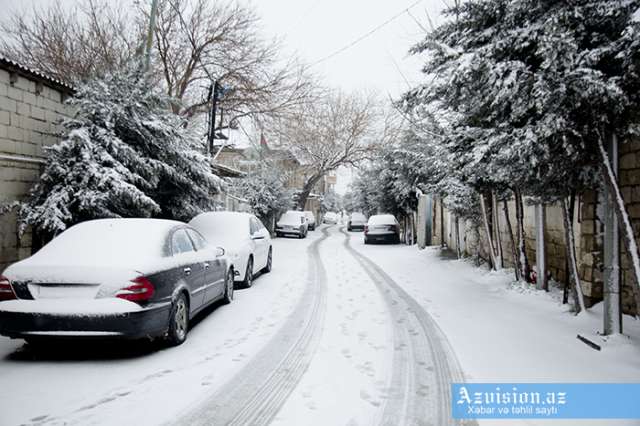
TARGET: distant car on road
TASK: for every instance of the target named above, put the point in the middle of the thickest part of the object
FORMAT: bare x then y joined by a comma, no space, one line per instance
292,223
130,278
357,222
382,227
311,219
244,238
330,218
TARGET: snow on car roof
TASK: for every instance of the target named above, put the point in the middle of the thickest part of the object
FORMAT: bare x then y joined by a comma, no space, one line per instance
107,242
385,219
216,226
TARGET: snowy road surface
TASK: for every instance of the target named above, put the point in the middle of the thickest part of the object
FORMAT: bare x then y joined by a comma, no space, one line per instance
338,334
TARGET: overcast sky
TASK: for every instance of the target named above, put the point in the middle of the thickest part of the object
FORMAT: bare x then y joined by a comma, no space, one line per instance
315,29
318,28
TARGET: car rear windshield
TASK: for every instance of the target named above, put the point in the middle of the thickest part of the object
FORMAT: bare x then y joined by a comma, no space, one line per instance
385,219
108,242
358,216
221,226
291,217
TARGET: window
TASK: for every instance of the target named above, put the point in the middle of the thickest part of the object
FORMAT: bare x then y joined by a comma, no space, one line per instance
253,225
180,242
198,240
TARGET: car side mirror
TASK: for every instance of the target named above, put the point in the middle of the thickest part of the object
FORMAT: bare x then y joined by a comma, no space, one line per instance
257,237
219,252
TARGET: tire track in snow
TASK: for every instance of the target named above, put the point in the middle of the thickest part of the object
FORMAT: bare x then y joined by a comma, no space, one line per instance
424,363
256,393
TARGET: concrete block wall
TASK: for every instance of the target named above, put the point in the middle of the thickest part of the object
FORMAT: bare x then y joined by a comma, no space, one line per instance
30,115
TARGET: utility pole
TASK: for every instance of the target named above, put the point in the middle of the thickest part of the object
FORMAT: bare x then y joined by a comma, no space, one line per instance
152,26
612,311
212,122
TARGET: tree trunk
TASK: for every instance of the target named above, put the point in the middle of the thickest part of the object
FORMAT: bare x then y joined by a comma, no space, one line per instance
306,190
571,256
495,219
523,261
628,236
514,250
441,223
485,219
458,251
567,280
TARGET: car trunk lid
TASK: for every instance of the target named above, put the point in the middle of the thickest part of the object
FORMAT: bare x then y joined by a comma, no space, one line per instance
67,282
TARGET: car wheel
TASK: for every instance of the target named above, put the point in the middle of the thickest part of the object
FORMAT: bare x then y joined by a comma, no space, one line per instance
228,287
178,321
269,265
248,275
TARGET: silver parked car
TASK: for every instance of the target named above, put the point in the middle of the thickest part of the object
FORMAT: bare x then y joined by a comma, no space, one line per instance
357,222
292,223
382,227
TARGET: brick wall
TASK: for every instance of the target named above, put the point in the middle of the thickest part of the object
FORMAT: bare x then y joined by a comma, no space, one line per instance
30,112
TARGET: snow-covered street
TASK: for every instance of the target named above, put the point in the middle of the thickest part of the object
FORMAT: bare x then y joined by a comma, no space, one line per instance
338,333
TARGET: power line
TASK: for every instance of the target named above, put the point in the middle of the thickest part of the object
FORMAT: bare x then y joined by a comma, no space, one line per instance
366,35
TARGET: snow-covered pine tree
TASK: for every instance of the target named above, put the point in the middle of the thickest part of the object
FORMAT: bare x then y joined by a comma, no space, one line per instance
123,154
530,87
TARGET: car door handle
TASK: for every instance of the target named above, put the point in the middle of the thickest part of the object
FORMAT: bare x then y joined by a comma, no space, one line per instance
206,265
187,271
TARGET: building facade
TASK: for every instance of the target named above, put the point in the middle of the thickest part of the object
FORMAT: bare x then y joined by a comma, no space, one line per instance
31,109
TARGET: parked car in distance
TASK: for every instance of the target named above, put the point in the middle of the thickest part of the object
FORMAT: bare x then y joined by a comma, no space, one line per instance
128,278
382,227
356,222
330,218
311,219
245,239
292,223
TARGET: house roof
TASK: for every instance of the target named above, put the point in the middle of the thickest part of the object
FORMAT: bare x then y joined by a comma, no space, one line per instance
226,171
12,66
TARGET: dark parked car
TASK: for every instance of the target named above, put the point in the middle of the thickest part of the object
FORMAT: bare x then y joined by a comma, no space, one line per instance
357,221
130,278
382,227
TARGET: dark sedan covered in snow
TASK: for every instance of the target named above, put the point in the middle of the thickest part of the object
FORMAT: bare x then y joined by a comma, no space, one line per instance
382,227
131,278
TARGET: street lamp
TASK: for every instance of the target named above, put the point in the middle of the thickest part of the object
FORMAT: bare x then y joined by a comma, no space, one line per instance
216,93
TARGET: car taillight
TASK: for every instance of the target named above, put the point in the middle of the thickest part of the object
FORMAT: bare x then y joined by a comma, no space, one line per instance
140,291
6,291
366,229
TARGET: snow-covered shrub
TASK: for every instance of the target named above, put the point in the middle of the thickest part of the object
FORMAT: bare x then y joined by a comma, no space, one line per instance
265,191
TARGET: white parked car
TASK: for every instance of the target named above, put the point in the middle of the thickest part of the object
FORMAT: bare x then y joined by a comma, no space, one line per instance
331,218
311,219
245,239
292,223
382,227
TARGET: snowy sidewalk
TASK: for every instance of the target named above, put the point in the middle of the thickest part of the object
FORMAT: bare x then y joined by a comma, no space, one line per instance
504,333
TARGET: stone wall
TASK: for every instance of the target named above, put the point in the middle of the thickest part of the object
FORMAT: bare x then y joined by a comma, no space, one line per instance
30,111
588,229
